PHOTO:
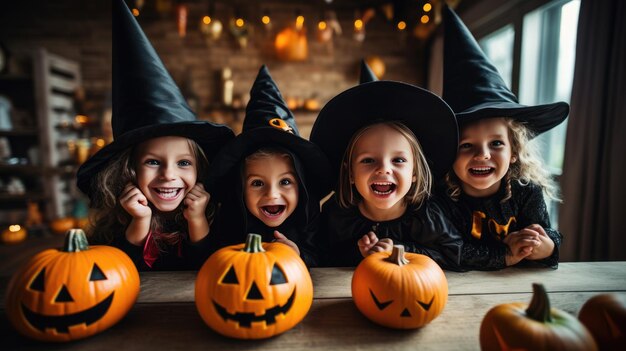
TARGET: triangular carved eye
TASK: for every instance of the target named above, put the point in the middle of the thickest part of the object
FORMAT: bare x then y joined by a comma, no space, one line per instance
230,277
381,305
426,306
64,296
278,276
38,282
96,274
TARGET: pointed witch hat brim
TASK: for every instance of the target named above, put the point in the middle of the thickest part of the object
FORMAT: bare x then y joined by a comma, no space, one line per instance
475,90
269,123
424,113
146,101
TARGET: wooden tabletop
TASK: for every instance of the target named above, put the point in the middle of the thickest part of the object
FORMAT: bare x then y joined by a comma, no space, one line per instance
165,315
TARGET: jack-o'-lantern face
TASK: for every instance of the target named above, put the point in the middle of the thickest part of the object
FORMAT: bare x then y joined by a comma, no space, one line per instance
69,295
407,293
255,294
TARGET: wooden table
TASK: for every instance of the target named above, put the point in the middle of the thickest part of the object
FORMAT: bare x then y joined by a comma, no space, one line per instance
165,316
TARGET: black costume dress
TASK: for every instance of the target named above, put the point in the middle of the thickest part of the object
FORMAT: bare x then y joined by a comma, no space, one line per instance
424,230
484,222
182,256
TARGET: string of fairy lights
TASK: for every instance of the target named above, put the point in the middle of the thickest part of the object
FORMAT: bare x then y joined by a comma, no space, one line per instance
420,12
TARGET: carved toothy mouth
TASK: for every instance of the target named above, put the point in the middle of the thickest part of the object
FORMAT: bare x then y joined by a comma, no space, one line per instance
245,319
62,323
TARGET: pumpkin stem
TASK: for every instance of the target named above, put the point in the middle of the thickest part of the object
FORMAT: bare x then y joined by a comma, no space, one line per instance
397,256
539,308
253,243
75,241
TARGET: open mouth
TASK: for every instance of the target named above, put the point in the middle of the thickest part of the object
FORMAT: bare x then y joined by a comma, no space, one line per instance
273,210
167,193
383,188
62,323
245,319
481,171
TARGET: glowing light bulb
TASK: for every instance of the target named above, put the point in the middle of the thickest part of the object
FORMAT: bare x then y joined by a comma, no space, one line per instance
206,20
427,7
425,19
401,25
358,24
266,19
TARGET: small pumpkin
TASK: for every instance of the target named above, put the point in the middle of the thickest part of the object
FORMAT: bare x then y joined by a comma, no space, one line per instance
61,225
253,290
604,316
533,326
291,45
399,290
72,293
14,234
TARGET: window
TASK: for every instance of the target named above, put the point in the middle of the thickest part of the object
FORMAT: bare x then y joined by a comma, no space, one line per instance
546,67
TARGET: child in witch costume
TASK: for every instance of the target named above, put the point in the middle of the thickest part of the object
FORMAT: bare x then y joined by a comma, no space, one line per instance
494,192
383,139
269,180
145,190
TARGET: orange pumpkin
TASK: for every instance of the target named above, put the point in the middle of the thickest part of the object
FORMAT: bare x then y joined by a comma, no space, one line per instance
605,317
399,290
536,326
61,225
13,234
253,290
291,45
72,293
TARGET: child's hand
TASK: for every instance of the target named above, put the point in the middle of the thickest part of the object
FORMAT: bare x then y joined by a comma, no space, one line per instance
521,245
369,244
546,247
135,203
195,203
280,238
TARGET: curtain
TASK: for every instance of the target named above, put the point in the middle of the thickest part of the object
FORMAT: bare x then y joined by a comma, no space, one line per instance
593,214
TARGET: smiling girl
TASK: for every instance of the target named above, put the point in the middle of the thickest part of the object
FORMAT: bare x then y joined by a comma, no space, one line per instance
494,193
384,139
145,190
269,180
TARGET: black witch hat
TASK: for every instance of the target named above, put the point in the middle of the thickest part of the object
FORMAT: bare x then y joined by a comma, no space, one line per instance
366,73
474,89
146,101
424,113
269,122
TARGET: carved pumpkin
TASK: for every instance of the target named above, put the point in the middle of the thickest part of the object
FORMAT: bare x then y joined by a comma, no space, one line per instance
520,326
253,290
604,316
13,234
399,290
69,294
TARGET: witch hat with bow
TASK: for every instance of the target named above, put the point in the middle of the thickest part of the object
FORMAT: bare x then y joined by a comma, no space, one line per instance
474,89
269,122
146,101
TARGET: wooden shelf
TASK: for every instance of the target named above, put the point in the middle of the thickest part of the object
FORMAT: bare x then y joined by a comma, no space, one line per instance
21,169
19,132
32,196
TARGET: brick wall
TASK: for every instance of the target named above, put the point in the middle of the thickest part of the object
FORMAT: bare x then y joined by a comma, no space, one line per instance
81,30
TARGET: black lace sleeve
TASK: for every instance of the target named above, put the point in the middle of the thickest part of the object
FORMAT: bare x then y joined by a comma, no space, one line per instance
533,211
